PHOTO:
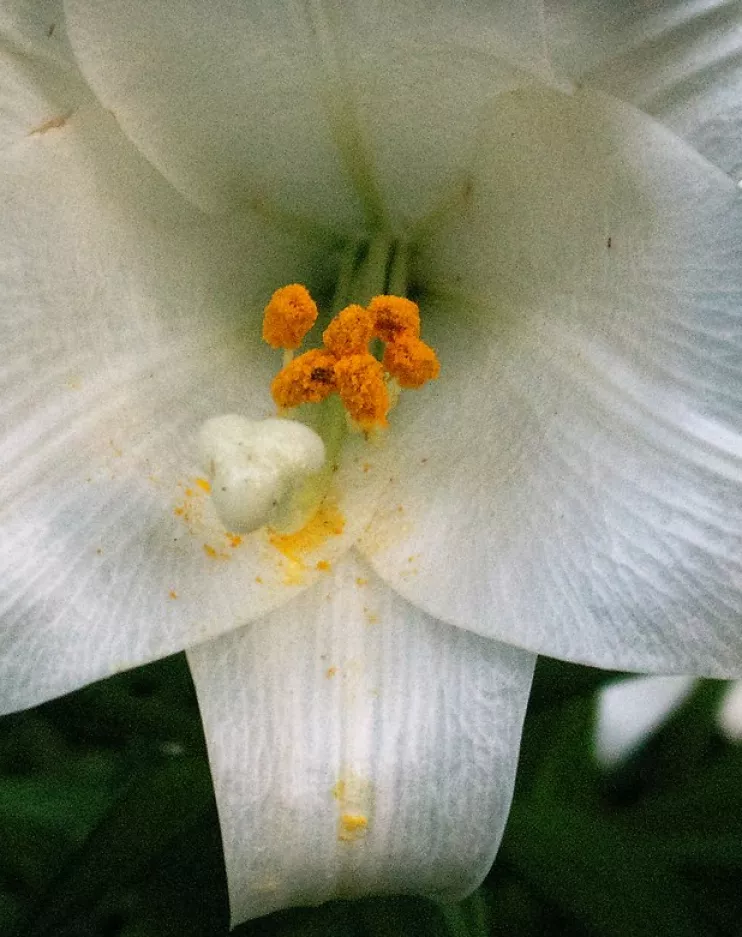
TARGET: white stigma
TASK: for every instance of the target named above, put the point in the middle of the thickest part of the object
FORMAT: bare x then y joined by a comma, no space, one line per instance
258,470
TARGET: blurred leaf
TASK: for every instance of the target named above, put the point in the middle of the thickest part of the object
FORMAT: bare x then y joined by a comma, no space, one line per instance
329,920
469,918
70,801
563,842
556,682
390,917
156,702
158,804
602,880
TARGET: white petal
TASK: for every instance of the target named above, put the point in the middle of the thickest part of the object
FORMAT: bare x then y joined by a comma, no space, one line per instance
35,29
682,64
629,711
40,86
306,106
586,34
128,318
573,482
349,702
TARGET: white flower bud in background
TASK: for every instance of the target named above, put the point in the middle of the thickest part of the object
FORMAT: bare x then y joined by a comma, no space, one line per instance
729,720
630,710
258,469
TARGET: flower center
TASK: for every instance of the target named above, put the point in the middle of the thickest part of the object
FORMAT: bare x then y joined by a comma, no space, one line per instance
271,473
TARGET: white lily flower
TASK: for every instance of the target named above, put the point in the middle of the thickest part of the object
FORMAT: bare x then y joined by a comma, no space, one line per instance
569,486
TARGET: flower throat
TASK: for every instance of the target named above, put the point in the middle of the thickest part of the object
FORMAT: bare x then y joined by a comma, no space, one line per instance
277,472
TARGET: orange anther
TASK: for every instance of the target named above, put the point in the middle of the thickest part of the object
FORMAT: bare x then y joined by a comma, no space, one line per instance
411,361
394,316
310,378
360,383
288,317
350,331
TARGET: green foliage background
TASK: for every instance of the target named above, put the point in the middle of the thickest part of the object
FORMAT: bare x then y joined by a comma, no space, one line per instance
108,826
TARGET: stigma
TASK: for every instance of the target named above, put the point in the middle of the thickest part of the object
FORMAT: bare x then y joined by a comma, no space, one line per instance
259,471
344,365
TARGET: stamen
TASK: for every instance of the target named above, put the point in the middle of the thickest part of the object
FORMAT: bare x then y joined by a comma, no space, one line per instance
350,331
394,316
360,383
288,317
310,378
411,361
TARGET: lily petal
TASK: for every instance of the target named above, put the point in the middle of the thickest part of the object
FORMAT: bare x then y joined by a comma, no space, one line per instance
308,106
681,63
358,747
583,35
576,472
128,318
35,29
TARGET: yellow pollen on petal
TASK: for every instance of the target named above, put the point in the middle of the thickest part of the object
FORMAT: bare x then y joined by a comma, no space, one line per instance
350,331
288,317
353,826
360,383
310,378
394,316
327,522
411,361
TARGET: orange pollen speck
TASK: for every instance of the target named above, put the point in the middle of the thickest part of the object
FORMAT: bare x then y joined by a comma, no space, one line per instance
394,316
411,361
360,383
350,331
288,317
310,378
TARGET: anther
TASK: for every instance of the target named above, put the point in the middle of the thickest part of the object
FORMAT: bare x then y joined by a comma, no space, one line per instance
394,316
288,317
411,361
360,383
350,331
310,378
